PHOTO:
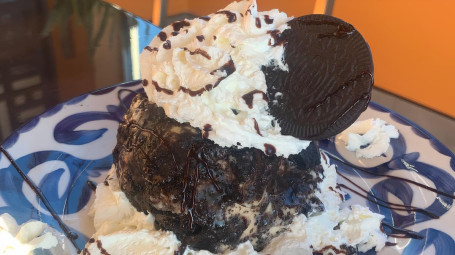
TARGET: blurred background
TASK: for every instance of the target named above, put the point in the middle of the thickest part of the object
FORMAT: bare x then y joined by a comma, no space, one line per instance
53,50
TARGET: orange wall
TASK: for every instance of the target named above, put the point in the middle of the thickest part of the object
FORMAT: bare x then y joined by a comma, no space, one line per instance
291,7
413,46
144,8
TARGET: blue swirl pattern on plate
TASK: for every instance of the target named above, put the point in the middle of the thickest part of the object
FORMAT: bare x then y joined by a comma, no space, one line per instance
71,144
61,176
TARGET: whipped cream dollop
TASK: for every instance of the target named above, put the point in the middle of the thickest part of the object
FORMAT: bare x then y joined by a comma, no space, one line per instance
368,138
207,71
121,229
26,238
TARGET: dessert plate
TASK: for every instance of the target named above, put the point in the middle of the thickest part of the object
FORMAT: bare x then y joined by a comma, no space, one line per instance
65,150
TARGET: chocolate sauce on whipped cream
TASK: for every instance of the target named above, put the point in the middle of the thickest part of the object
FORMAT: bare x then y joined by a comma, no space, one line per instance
180,24
200,38
148,48
162,35
232,17
269,149
277,37
248,97
256,127
268,20
199,52
207,129
167,45
258,22
157,87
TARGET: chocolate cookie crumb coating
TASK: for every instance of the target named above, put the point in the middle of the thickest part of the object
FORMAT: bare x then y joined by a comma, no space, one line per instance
211,197
329,80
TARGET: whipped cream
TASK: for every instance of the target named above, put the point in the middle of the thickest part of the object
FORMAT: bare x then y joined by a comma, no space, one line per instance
368,138
121,229
334,227
26,238
207,72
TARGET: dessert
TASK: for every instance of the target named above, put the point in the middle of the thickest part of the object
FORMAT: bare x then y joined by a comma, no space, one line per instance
213,158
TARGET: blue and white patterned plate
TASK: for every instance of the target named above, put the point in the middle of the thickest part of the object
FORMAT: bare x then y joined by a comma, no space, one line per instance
63,149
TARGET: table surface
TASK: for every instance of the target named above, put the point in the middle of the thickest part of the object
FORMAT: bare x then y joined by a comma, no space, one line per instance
52,53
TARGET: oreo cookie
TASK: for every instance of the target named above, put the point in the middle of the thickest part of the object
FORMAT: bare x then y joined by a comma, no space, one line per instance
329,80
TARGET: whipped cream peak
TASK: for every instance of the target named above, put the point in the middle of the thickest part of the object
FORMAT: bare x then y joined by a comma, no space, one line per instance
207,71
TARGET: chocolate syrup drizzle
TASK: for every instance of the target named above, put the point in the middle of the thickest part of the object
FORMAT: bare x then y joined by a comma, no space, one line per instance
256,127
148,48
401,233
278,38
200,38
198,51
207,129
191,179
268,20
180,24
389,176
99,244
160,89
269,149
68,233
162,35
381,202
198,92
167,45
229,68
333,248
230,15
258,22
248,97
155,134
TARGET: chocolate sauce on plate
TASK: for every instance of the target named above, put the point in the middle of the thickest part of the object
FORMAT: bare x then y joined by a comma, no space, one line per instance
66,230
